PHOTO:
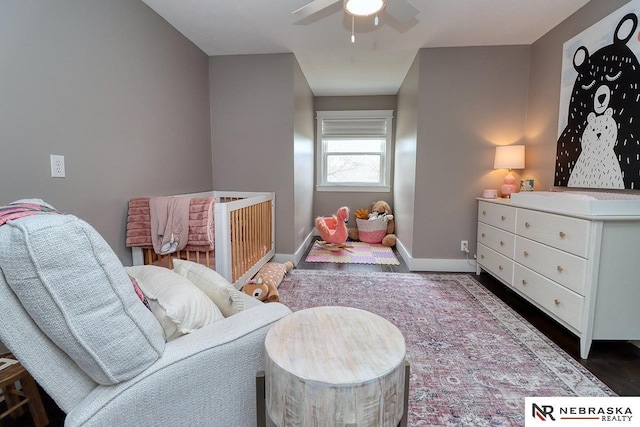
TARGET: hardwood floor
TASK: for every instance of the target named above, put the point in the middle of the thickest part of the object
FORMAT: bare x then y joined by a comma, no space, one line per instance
615,363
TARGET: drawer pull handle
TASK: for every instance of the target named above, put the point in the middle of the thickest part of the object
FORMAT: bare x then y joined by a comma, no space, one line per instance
484,235
484,212
526,224
526,254
556,301
560,268
503,217
500,268
562,234
501,243
481,256
524,282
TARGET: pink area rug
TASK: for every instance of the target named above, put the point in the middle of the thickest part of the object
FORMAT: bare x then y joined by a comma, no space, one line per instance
473,359
361,253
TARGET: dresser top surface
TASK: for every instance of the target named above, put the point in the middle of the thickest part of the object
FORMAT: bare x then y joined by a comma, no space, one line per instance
591,205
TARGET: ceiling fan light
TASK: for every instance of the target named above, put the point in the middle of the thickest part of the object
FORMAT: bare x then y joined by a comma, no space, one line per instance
363,7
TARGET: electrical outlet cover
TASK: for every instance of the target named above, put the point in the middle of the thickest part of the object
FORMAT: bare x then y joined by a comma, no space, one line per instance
57,166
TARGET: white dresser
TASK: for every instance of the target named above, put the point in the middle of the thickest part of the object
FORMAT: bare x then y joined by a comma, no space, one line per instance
583,270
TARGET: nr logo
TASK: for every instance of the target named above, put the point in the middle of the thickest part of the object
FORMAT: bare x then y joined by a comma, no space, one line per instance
542,412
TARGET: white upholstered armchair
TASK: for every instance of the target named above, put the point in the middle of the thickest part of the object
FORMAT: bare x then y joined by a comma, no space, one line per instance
68,314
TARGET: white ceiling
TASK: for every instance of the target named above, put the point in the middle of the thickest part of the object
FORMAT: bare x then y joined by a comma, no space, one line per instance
378,61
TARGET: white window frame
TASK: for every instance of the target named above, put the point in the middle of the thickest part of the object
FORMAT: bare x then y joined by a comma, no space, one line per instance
321,165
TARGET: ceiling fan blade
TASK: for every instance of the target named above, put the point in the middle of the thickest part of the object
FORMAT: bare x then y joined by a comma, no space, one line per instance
401,10
313,7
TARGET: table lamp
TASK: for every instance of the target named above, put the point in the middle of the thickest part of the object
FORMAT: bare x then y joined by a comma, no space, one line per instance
509,157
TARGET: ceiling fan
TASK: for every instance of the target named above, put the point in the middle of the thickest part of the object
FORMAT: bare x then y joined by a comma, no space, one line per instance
401,10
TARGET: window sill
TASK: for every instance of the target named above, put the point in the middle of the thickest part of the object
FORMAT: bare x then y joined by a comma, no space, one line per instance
355,188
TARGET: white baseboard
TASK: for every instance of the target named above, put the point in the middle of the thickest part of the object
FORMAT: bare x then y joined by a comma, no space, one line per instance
297,256
434,264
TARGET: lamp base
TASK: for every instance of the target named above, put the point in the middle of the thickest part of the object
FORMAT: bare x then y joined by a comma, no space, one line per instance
508,187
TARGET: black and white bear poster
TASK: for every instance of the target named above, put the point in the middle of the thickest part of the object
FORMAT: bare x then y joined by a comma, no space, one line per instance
599,123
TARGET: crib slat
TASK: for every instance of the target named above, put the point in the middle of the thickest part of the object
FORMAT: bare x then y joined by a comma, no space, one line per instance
245,237
236,254
255,243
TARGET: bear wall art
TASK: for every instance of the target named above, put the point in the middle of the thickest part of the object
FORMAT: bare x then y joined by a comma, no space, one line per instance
599,123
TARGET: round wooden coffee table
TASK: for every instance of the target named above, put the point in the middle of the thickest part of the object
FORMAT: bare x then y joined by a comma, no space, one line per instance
335,366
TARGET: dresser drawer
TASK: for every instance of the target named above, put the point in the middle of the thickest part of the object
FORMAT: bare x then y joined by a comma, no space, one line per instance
500,216
565,233
555,299
497,264
562,267
496,239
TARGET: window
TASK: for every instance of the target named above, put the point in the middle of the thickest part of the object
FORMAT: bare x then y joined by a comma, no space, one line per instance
354,150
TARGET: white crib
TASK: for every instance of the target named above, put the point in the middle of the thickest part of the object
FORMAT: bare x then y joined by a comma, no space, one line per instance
244,236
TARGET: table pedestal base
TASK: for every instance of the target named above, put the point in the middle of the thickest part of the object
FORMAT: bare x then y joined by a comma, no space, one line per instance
261,411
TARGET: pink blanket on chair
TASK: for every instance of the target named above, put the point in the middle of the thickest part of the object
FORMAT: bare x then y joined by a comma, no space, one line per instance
201,223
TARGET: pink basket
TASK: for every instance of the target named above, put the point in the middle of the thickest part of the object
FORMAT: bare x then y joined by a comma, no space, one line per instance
371,231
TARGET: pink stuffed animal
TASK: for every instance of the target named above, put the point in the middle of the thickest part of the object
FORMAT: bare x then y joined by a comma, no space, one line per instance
333,229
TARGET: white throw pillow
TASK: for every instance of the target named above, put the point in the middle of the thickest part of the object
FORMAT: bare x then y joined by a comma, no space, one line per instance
222,293
178,304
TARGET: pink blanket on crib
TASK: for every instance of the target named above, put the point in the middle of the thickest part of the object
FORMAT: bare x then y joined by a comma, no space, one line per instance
201,223
169,223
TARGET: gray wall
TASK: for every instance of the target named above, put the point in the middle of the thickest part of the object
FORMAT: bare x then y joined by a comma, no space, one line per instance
544,89
253,99
469,100
125,98
404,190
328,202
304,155
117,91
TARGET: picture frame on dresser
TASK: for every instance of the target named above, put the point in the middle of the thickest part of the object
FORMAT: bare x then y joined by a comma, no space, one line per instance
526,185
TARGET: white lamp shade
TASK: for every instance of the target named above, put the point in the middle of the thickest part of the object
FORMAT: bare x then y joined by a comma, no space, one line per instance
509,157
363,7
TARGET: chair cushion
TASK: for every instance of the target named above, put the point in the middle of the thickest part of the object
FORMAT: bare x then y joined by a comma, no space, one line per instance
76,290
222,293
178,304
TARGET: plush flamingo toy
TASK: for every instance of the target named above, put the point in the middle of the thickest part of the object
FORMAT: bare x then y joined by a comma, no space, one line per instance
333,229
